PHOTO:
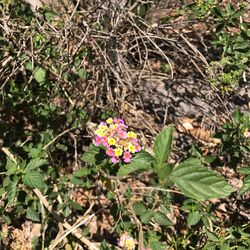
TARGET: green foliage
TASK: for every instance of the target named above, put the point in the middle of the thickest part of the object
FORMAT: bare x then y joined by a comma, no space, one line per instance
161,219
32,215
142,161
192,178
40,75
235,142
231,37
201,8
233,139
35,164
222,78
93,155
193,218
235,45
37,124
163,145
34,180
139,208
246,185
233,237
28,173
198,182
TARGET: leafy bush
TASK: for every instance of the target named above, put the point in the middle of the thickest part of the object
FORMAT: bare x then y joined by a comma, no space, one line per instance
231,38
193,179
80,194
235,138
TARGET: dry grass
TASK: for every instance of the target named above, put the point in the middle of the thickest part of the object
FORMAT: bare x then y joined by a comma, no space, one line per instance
125,55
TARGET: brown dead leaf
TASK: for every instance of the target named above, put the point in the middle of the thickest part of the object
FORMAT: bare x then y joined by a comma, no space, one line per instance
93,226
22,238
236,183
233,30
193,128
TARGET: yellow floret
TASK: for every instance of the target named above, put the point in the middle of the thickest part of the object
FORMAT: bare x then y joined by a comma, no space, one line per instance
102,126
118,152
113,126
111,141
129,244
100,132
109,121
131,148
131,135
126,242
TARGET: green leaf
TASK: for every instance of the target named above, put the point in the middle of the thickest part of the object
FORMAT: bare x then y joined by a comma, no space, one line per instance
237,116
34,180
244,170
226,246
40,75
142,161
139,208
161,219
66,212
34,152
75,205
29,66
82,172
230,9
193,218
157,245
163,145
35,164
93,155
2,191
49,15
82,73
12,191
217,12
212,236
12,169
164,171
210,158
206,222
78,182
220,27
246,186
198,182
146,216
32,215
11,166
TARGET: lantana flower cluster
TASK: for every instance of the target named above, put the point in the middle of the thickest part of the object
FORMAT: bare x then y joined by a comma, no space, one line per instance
120,143
126,242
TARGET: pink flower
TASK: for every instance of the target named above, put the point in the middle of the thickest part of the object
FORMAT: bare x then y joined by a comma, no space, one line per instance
112,133
116,120
115,160
110,152
137,147
122,134
134,140
127,156
98,140
120,144
105,141
246,134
